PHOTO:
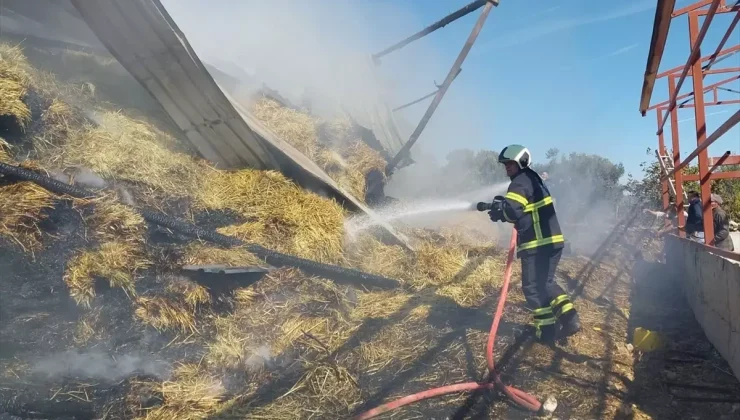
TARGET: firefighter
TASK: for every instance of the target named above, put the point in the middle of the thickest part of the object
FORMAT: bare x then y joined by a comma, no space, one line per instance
528,205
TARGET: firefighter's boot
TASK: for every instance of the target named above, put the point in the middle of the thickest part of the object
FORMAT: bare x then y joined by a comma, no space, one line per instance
545,324
570,324
563,309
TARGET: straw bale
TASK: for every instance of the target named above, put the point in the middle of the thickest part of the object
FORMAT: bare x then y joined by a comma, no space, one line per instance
22,207
164,313
295,127
14,84
117,262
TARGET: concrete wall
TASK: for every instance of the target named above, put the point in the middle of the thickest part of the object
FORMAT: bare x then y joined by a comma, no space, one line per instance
712,288
735,240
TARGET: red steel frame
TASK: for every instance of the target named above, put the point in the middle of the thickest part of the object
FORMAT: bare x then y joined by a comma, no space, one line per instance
697,68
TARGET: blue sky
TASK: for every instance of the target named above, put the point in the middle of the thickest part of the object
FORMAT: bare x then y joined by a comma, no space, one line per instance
568,74
564,74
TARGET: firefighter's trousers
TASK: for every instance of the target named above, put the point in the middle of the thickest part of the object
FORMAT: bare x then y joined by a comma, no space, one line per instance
544,296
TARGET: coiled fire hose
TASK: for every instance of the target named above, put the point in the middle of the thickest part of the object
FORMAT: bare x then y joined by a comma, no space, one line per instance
519,397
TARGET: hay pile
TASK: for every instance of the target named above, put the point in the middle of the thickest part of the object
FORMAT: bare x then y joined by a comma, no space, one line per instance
346,158
14,82
22,208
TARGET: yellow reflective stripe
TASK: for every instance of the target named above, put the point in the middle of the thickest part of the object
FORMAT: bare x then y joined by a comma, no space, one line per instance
536,223
542,203
543,322
518,198
567,307
540,242
558,300
542,311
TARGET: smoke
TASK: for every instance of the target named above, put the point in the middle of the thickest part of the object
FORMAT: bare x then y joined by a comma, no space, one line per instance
99,365
318,53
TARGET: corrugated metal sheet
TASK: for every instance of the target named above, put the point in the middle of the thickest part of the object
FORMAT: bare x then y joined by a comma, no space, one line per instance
146,41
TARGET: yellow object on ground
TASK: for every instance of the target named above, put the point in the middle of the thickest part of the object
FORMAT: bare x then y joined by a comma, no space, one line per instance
646,340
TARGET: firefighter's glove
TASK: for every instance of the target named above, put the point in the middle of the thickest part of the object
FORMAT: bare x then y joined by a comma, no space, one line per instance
497,209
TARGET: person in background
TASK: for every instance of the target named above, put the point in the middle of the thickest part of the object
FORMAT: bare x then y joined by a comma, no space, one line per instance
694,226
722,238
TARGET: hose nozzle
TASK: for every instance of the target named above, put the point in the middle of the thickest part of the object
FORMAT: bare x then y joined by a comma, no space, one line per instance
481,206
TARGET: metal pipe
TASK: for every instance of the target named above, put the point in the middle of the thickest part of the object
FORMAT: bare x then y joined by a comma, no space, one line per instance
700,120
727,126
470,8
693,57
661,26
690,8
716,164
676,158
706,89
713,176
729,90
664,184
722,55
723,42
445,85
423,97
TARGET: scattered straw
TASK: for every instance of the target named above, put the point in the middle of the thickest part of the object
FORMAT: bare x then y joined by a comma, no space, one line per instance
191,394
127,149
294,127
199,254
363,158
293,220
164,314
324,391
89,327
192,293
14,82
113,221
4,150
371,255
437,265
117,262
470,290
379,304
22,207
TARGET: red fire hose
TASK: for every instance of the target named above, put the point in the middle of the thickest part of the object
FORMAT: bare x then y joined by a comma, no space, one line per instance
521,398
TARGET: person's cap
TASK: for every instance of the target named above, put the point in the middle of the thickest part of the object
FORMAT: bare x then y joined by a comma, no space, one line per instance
716,198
